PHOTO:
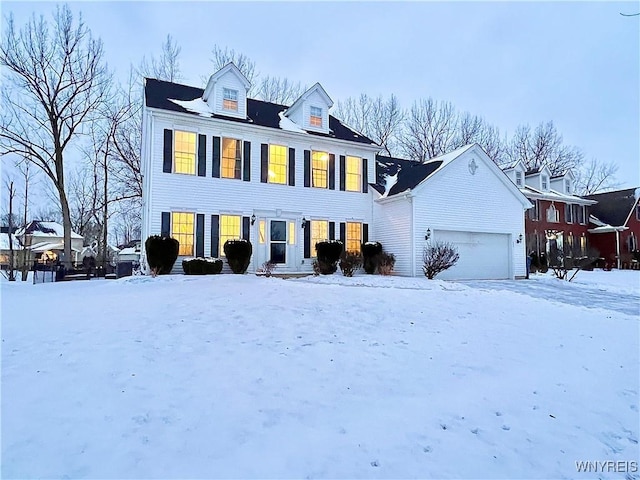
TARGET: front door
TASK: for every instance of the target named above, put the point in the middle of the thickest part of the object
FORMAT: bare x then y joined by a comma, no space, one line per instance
278,242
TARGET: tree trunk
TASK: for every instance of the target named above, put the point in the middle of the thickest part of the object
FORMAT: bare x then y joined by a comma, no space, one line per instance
25,262
12,273
66,222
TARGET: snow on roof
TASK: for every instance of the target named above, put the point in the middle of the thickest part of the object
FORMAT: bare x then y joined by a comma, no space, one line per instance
4,242
129,251
389,182
45,246
448,157
288,124
554,195
45,229
197,105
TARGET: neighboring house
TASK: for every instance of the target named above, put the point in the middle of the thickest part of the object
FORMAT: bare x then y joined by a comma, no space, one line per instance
615,226
45,241
559,220
5,250
462,198
217,166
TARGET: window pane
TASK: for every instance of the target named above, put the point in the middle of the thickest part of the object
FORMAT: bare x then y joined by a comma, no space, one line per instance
278,231
231,158
182,230
319,168
319,229
277,164
230,99
278,252
229,229
353,174
354,237
292,233
184,152
261,231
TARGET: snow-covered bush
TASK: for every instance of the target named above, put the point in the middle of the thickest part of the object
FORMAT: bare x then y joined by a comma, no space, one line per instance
438,257
162,253
370,256
386,263
202,266
238,253
350,263
329,253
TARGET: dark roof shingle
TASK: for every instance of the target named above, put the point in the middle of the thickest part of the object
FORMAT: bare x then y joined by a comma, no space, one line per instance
613,207
410,173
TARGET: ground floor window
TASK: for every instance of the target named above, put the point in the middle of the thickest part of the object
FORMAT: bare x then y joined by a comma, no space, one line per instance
354,237
319,233
229,229
182,229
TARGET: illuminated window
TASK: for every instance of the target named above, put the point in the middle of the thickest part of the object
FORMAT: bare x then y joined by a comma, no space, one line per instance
354,237
315,117
292,233
262,228
230,99
182,230
583,246
319,233
319,169
229,229
277,164
184,152
231,158
353,174
519,179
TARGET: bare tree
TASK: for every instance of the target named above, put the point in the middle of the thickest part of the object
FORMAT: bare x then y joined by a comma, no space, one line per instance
438,257
278,90
543,146
12,194
595,176
166,66
475,129
429,130
221,57
378,118
57,79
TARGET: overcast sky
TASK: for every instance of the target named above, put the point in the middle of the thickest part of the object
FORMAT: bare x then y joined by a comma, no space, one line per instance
576,64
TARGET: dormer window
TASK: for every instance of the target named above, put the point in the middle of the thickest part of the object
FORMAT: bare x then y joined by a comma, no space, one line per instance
567,184
315,117
519,179
545,182
230,99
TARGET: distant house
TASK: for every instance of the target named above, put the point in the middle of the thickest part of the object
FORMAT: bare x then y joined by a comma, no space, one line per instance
5,250
45,241
558,223
615,226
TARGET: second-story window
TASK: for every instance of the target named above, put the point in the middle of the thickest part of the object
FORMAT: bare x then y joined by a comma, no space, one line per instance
552,214
230,99
231,158
519,179
184,152
567,186
277,164
319,169
545,183
568,213
638,211
353,174
315,116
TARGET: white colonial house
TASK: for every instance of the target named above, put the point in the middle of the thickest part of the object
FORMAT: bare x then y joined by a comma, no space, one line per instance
217,165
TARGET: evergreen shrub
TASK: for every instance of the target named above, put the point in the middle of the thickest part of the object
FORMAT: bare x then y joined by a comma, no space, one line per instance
329,253
202,266
162,253
371,252
238,253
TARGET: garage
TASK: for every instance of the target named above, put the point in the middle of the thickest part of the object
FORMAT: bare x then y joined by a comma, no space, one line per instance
482,255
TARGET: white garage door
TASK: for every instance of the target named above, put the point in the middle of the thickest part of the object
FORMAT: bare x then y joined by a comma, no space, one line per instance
482,255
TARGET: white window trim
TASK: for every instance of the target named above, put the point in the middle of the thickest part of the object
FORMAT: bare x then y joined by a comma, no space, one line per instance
232,93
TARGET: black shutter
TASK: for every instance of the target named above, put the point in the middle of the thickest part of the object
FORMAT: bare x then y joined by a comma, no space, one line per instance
246,166
343,160
264,163
216,157
307,168
200,235
365,232
343,232
365,176
332,230
202,155
167,151
292,166
332,171
307,239
165,228
215,235
245,228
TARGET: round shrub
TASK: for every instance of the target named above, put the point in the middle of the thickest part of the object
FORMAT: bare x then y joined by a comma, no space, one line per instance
238,253
202,266
162,253
370,256
329,253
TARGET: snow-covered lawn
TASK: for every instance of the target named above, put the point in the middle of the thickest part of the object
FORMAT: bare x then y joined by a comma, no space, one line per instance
371,377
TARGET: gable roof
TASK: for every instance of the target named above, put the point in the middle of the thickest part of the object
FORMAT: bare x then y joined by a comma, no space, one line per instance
410,173
44,229
229,67
315,88
159,94
615,207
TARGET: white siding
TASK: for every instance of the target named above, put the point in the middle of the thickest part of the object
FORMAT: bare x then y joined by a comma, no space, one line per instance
392,228
229,80
455,200
300,114
208,195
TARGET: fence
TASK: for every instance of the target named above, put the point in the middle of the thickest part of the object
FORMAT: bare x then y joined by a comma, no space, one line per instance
44,274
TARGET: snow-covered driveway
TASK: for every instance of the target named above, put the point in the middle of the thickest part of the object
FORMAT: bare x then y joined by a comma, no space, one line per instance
370,377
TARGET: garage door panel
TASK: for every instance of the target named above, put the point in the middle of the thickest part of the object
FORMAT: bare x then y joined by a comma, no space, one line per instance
482,255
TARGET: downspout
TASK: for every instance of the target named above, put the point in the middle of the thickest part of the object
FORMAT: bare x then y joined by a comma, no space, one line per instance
412,257
618,248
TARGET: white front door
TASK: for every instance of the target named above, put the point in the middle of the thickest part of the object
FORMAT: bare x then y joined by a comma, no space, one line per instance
278,243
